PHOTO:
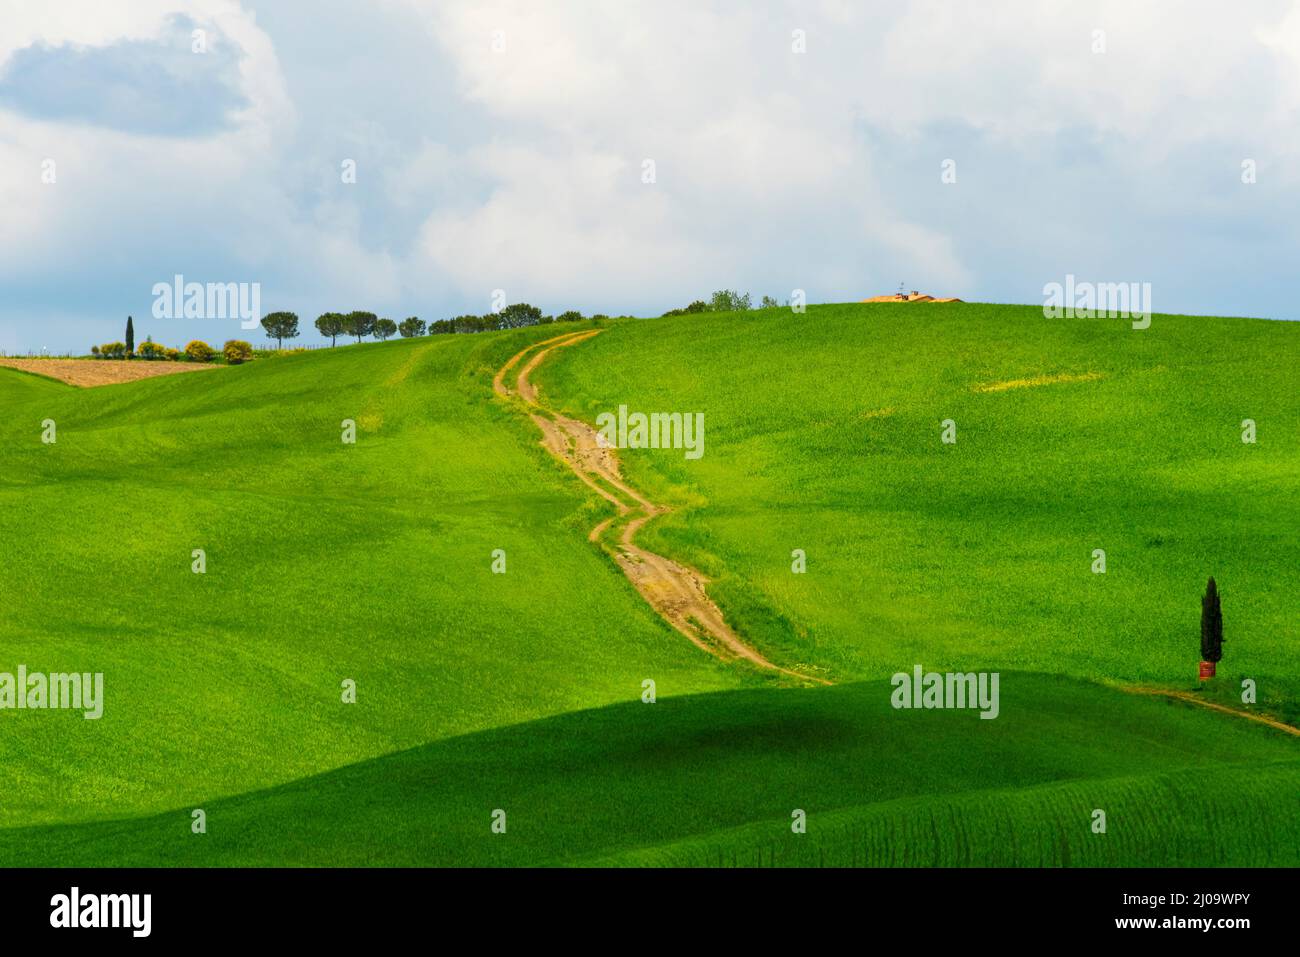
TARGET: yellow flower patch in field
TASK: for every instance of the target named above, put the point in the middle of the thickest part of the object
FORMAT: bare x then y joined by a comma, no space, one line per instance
1037,381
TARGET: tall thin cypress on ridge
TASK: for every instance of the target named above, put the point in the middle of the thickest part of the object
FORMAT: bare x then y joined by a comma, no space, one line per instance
1211,624
130,338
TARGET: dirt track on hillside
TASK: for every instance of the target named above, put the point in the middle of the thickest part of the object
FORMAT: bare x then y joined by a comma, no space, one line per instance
674,590
1214,706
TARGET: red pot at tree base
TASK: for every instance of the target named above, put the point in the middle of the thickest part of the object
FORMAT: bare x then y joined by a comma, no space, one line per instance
1207,670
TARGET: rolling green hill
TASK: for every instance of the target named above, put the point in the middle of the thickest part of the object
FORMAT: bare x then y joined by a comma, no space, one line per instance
709,779
325,562
520,691
18,388
823,433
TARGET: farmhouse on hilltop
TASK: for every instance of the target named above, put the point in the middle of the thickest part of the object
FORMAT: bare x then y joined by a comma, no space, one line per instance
912,296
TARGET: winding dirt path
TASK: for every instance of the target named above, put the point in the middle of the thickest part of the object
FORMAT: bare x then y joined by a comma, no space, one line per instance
674,590
1214,706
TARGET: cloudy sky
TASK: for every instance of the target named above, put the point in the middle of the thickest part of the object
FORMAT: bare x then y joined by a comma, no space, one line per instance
503,145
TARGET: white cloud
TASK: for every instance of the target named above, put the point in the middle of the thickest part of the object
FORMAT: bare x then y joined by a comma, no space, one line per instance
522,169
747,140
749,137
111,181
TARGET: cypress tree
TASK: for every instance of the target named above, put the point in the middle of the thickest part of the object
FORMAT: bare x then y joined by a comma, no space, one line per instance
130,338
1211,624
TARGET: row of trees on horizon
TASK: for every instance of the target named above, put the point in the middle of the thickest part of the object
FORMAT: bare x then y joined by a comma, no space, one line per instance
360,324
331,325
726,300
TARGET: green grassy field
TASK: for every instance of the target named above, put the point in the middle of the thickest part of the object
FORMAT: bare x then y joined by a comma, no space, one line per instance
823,434
325,561
17,388
521,691
710,779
